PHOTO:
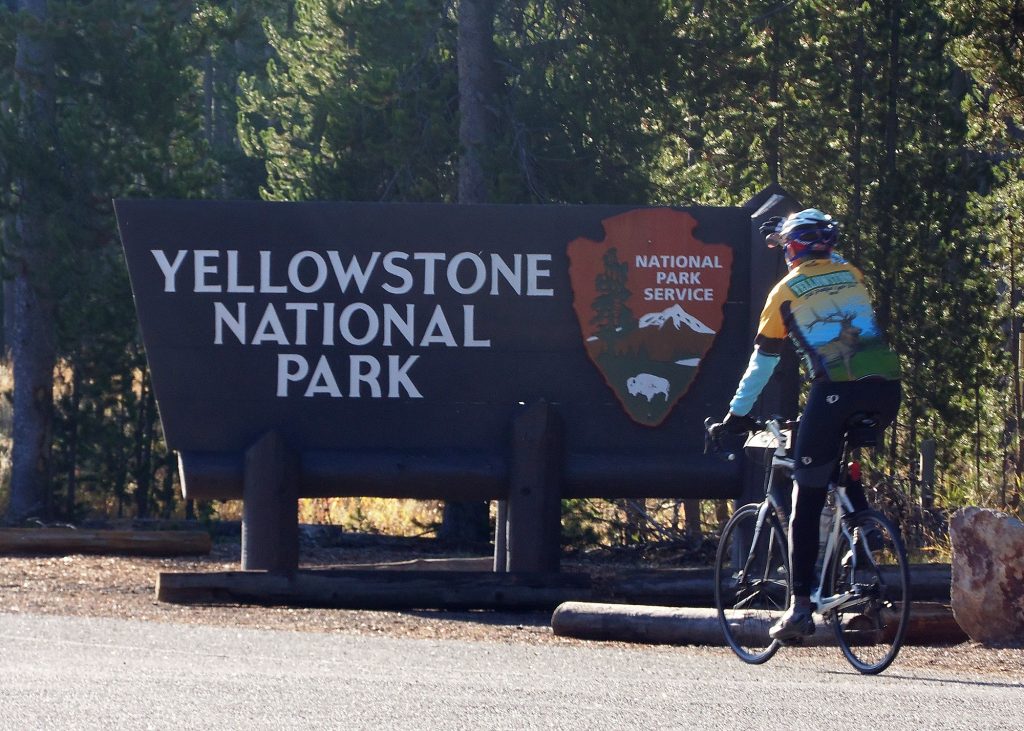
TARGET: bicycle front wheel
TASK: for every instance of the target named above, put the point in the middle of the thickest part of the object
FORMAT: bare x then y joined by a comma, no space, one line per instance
751,581
871,564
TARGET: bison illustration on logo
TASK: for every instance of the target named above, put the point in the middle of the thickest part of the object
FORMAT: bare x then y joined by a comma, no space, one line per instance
649,300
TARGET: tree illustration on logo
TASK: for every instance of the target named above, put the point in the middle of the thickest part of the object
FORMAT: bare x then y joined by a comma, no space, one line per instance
612,316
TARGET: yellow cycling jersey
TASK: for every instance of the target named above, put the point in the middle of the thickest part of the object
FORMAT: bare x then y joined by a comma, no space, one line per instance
823,305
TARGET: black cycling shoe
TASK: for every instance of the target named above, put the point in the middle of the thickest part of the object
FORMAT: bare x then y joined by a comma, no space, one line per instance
794,626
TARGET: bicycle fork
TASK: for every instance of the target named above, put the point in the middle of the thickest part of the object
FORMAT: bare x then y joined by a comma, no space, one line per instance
752,585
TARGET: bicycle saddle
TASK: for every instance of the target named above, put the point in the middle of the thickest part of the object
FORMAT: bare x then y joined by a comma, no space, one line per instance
862,430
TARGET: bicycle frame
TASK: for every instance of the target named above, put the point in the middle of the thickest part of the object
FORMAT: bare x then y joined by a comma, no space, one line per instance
843,506
781,462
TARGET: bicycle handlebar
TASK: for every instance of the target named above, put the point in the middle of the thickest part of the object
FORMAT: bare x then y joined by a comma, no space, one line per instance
713,432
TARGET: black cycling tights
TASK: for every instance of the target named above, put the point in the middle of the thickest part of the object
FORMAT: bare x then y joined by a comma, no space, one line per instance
819,442
804,540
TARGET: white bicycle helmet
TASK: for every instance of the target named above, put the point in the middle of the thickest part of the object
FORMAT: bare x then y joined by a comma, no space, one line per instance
808,233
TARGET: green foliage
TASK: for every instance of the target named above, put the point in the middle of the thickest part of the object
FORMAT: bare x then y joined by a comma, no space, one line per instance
989,43
903,119
356,104
125,121
587,102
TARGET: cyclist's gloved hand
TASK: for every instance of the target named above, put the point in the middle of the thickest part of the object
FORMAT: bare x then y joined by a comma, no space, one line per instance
771,226
738,424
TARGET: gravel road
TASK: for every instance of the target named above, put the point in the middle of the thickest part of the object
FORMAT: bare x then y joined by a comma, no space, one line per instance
101,673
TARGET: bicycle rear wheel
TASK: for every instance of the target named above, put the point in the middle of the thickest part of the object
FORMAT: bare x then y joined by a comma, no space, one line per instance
751,581
872,563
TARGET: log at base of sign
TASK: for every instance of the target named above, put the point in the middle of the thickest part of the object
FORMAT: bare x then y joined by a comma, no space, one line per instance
66,541
374,589
371,586
930,624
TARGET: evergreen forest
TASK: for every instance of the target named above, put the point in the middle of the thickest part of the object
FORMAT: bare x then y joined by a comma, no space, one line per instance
902,118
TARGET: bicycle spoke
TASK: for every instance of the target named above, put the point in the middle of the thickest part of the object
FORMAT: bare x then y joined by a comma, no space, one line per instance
751,600
872,566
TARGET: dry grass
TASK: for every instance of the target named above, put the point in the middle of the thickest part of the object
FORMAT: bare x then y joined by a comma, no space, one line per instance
388,516
380,516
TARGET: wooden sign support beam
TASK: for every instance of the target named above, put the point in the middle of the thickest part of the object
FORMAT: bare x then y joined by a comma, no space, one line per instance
534,517
270,517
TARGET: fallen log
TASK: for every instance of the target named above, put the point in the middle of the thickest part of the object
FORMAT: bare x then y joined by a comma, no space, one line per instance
371,589
930,624
65,541
637,623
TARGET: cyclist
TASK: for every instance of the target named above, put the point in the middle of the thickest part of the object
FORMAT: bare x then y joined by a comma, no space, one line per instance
823,305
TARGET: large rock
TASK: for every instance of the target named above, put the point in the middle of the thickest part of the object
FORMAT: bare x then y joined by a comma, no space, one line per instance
987,592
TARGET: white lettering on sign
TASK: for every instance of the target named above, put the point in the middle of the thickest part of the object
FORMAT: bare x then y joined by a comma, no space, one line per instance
169,270
341,318
681,269
308,272
364,376
681,261
676,294
358,324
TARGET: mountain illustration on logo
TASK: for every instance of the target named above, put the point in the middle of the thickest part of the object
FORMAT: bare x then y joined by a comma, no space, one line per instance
649,300
677,316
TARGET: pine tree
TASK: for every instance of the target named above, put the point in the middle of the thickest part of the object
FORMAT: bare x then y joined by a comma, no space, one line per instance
358,103
989,44
116,120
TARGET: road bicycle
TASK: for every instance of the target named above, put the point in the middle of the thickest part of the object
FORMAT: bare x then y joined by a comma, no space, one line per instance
863,584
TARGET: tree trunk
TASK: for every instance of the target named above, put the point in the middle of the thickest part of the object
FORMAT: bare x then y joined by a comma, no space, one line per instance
857,146
71,493
1017,438
476,93
33,348
774,141
32,351
143,450
890,196
467,522
694,534
888,192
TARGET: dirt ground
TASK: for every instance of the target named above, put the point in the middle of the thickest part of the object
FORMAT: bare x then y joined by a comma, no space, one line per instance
124,587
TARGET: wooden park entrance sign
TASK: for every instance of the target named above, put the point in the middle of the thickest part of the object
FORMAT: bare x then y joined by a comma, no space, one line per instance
515,353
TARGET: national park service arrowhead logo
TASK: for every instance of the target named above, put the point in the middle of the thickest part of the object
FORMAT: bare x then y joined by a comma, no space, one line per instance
649,301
